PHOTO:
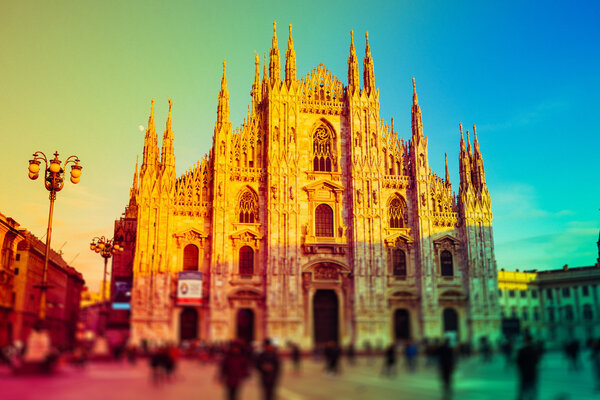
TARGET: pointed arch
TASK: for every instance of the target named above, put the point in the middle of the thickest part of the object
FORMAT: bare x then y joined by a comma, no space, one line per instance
324,147
247,206
397,211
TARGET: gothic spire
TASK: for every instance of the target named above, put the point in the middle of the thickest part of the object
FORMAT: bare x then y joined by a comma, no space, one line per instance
167,154
290,61
447,174
462,140
368,71
353,78
274,62
469,149
478,170
464,164
223,107
134,186
256,89
417,122
150,159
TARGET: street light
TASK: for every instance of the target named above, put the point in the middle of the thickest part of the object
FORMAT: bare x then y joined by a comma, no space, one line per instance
54,175
106,248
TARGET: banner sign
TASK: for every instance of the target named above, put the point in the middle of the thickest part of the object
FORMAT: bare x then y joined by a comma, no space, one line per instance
121,295
189,288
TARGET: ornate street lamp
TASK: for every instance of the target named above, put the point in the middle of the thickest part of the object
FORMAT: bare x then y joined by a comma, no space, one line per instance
54,175
106,248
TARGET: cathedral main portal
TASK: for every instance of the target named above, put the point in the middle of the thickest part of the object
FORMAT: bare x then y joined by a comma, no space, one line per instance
326,317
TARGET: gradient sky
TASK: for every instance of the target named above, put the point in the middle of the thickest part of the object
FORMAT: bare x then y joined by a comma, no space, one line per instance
78,76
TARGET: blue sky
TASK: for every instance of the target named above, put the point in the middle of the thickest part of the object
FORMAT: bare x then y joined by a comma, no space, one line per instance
78,78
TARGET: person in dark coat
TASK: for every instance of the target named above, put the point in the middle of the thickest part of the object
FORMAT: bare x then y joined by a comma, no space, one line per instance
268,366
528,359
446,363
389,361
233,369
296,357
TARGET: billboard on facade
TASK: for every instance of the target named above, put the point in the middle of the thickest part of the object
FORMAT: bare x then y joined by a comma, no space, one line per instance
189,288
122,294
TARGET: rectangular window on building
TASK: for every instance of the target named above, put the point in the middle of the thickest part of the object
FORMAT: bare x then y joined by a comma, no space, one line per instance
525,314
549,294
499,292
566,292
534,293
16,271
18,257
511,293
585,290
523,293
550,314
536,314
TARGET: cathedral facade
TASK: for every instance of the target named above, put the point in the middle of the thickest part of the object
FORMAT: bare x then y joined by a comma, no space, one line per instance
313,221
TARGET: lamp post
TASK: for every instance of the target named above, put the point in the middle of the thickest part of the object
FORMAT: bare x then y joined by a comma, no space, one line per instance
106,248
54,175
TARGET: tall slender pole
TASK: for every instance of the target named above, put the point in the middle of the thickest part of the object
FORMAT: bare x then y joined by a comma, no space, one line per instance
104,310
44,285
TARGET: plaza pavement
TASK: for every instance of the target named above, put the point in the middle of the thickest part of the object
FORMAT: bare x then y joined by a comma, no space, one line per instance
474,380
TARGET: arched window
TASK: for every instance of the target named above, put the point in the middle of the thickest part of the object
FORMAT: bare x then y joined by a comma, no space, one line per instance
322,149
248,209
324,221
190,258
399,260
446,261
396,213
246,261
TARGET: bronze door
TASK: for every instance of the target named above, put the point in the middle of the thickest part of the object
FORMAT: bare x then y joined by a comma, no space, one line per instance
402,324
188,324
245,325
325,317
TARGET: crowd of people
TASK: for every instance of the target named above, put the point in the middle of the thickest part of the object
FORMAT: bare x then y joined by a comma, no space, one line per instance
236,360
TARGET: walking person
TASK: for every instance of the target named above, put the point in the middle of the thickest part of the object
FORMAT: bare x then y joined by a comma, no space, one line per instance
389,361
410,355
233,369
595,359
296,358
268,366
446,364
527,363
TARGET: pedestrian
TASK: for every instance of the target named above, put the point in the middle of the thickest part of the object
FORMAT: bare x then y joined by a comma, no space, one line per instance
389,361
233,369
446,363
486,349
507,350
296,357
368,352
410,355
351,354
268,366
527,363
595,359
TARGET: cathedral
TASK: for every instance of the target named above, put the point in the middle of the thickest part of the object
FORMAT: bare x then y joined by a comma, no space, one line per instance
313,221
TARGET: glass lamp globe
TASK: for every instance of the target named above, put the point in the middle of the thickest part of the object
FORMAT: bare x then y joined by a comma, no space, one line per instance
34,167
54,166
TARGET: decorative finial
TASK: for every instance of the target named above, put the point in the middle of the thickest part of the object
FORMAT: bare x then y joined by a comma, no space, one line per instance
170,105
290,29
415,98
475,131
367,36
274,26
352,35
224,65
460,126
256,58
